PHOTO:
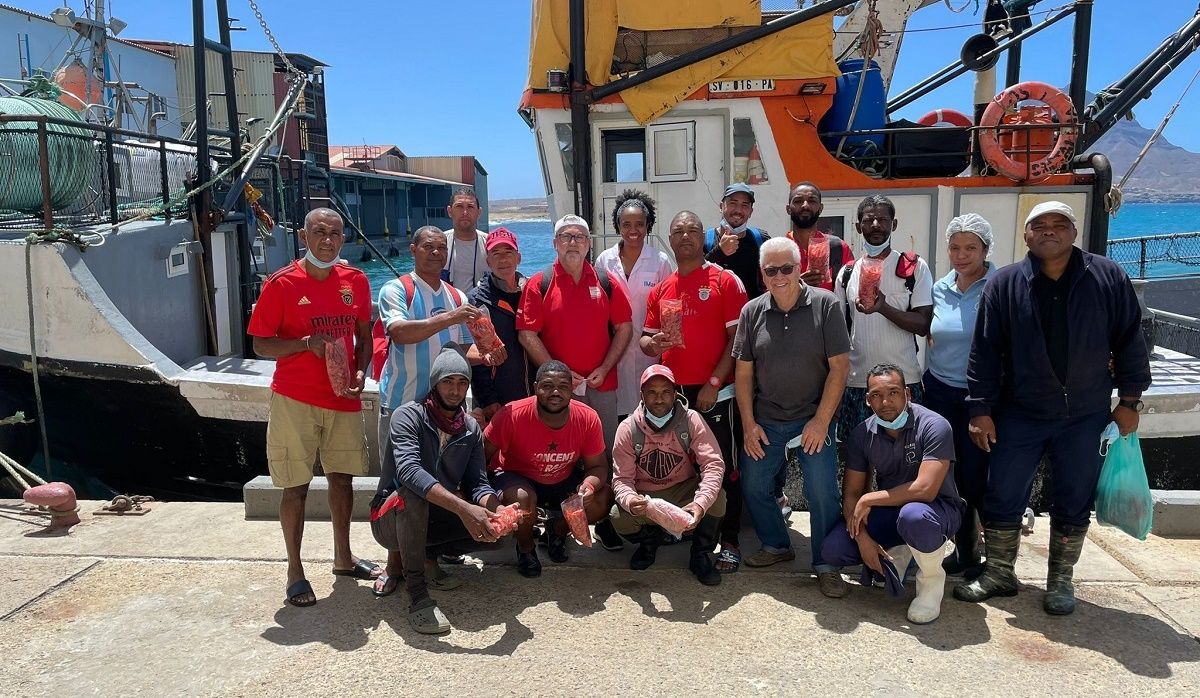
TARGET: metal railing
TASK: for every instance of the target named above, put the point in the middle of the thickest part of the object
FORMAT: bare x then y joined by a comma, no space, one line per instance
1157,256
1177,332
89,174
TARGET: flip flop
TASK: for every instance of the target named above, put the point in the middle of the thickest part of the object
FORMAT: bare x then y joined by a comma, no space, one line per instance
729,556
427,619
298,589
390,583
363,569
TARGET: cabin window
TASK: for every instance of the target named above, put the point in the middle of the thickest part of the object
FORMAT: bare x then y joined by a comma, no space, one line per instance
177,261
566,153
747,160
624,155
672,152
258,252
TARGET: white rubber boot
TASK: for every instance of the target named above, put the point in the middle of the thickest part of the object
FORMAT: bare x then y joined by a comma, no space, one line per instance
901,555
931,584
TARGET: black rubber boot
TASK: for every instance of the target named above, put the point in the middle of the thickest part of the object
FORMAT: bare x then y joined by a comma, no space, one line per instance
998,578
647,548
704,539
965,561
1066,543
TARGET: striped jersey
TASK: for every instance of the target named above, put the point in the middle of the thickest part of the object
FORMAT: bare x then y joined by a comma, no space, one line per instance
405,376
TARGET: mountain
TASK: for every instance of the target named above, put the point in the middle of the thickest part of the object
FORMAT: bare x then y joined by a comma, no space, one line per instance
1168,173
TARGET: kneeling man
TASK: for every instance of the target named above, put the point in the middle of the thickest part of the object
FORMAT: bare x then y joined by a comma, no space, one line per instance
433,491
666,450
916,509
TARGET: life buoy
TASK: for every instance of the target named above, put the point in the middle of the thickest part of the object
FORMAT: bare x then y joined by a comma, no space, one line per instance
946,116
1006,101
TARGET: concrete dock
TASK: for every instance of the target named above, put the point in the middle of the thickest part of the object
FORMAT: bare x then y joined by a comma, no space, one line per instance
188,600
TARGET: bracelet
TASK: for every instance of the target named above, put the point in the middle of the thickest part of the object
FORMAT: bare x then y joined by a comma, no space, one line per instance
308,342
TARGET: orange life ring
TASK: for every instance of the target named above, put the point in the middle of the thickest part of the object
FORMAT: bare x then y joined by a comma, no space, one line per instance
946,116
1006,101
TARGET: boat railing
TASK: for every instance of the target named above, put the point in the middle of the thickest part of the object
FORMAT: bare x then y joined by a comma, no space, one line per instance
1157,256
1176,332
66,173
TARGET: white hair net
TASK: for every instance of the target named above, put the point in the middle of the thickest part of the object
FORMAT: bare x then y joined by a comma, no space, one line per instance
971,223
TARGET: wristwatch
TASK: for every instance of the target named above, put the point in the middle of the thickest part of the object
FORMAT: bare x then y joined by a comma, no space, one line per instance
714,381
1135,405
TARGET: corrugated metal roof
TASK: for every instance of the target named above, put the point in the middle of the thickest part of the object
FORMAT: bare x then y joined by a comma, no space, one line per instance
388,174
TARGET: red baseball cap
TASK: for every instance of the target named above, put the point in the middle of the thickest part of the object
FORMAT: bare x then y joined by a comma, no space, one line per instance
656,370
500,236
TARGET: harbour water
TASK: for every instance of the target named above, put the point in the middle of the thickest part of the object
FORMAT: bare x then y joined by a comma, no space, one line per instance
537,249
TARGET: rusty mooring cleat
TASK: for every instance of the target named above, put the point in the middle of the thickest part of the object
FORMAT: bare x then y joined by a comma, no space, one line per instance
59,499
126,504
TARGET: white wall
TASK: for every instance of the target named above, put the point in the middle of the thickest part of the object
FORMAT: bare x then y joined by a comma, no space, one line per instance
49,42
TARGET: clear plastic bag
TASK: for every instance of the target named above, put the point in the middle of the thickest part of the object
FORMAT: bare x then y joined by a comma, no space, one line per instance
869,276
1123,494
671,312
572,509
673,519
818,257
484,334
337,365
506,519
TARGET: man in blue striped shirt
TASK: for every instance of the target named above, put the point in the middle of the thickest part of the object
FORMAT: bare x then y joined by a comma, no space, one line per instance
421,313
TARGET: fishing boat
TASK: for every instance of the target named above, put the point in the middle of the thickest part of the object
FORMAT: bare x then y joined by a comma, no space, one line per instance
131,260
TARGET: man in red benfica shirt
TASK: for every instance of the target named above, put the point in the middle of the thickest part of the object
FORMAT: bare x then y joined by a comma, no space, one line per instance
312,309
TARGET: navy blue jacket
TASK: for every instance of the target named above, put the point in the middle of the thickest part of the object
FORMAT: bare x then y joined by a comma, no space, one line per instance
1010,369
510,380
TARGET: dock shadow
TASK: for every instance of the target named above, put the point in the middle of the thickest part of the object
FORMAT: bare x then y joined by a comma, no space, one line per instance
1143,644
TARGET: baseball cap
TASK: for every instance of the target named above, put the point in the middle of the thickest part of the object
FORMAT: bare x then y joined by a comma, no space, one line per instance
738,188
1051,207
656,370
500,236
571,220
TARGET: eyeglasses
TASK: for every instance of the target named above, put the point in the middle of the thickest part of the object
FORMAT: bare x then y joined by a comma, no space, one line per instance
567,237
786,270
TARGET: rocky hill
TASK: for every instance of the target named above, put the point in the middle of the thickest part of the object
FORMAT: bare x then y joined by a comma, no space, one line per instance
1168,173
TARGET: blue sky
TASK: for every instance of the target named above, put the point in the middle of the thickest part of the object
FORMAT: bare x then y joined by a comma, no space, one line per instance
445,78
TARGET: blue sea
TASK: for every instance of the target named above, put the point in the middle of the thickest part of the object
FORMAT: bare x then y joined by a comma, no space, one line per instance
1133,220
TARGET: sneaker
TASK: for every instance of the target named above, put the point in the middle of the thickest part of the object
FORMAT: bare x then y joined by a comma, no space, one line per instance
447,559
528,563
702,566
645,554
832,585
556,545
608,536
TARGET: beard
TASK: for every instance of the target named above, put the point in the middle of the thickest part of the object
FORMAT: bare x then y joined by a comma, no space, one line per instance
437,397
804,220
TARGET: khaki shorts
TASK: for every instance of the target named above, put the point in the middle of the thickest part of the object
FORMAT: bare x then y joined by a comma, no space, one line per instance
680,494
297,432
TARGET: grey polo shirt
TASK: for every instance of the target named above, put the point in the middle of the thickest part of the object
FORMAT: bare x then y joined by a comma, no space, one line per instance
790,351
926,436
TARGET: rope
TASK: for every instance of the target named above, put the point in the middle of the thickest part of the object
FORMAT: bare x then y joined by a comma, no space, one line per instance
33,357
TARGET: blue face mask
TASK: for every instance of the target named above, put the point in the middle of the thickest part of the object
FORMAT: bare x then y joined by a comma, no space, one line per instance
897,423
876,250
736,231
659,422
1110,435
312,259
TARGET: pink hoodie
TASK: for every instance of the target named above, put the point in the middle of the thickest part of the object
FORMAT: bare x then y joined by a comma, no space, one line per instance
663,462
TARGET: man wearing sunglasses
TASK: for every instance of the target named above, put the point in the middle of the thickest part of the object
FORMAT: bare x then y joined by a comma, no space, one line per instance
793,355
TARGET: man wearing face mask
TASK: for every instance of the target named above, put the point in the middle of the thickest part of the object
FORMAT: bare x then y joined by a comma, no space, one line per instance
734,244
304,311
916,508
666,451
883,329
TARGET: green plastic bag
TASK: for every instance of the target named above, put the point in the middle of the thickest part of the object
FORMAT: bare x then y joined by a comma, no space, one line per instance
1123,494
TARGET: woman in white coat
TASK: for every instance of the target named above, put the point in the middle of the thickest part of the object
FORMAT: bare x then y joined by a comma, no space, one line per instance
639,266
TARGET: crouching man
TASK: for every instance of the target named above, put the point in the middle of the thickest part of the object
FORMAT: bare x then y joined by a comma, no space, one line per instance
667,451
433,494
916,509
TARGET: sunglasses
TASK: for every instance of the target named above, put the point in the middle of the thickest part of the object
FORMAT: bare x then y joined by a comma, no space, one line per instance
786,270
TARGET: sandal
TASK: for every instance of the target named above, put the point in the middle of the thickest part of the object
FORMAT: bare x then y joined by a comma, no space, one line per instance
363,569
298,590
729,560
386,584
426,618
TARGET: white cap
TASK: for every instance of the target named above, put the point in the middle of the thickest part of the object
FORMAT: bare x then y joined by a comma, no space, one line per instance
571,220
971,223
1051,207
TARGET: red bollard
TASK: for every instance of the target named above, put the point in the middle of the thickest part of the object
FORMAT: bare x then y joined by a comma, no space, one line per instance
59,498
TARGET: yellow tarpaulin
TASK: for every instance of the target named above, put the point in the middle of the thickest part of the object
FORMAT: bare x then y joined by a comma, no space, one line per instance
803,51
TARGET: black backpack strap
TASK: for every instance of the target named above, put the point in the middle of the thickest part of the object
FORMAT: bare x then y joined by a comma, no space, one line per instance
547,277
846,271
835,254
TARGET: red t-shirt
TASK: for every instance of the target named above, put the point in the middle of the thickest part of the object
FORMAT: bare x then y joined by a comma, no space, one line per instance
379,349
294,305
573,319
528,447
712,301
847,256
